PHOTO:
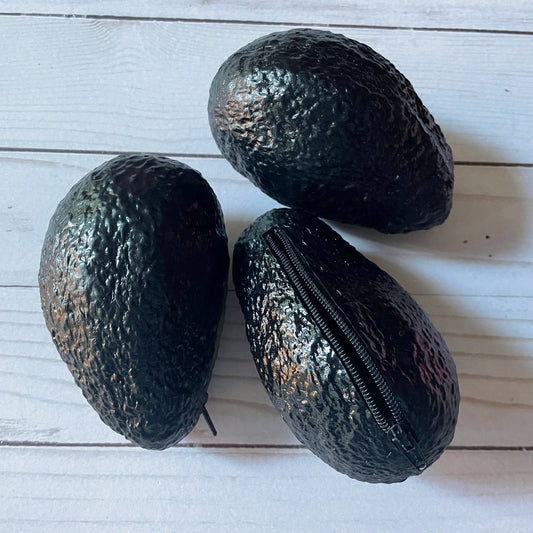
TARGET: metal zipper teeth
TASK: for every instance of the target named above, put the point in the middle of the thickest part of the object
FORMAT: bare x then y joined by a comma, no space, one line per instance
358,363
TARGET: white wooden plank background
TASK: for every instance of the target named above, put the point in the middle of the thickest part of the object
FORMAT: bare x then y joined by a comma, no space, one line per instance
135,85
72,489
482,321
117,76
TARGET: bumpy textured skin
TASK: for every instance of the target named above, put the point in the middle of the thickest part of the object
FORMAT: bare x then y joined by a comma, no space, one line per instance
304,376
324,123
133,280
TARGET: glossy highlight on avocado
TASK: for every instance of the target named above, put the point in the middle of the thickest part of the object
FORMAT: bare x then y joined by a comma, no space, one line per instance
324,123
133,280
355,367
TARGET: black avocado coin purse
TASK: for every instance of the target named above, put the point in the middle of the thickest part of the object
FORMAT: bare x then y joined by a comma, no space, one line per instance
353,364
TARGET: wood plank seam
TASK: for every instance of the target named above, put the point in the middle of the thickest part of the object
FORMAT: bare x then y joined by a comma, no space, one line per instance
52,444
105,152
20,149
261,23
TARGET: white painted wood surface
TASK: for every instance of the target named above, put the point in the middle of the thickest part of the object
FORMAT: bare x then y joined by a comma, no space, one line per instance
134,76
486,326
136,85
511,15
213,490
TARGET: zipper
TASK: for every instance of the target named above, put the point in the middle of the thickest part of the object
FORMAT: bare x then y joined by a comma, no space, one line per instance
355,356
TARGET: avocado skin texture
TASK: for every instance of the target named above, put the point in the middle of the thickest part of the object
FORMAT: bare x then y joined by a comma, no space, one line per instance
305,378
326,124
133,281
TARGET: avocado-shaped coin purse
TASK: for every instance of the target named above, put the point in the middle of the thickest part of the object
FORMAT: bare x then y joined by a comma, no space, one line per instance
326,124
355,367
133,282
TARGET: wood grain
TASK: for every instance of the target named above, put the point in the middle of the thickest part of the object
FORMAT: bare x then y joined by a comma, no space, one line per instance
41,403
81,84
202,490
494,202
513,15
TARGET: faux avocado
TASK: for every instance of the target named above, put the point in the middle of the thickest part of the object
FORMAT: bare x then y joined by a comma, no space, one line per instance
133,281
326,124
355,367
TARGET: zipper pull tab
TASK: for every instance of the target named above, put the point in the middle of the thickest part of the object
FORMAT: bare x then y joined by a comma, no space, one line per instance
408,444
207,418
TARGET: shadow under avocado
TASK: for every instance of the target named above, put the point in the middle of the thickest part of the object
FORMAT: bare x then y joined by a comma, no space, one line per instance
490,216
